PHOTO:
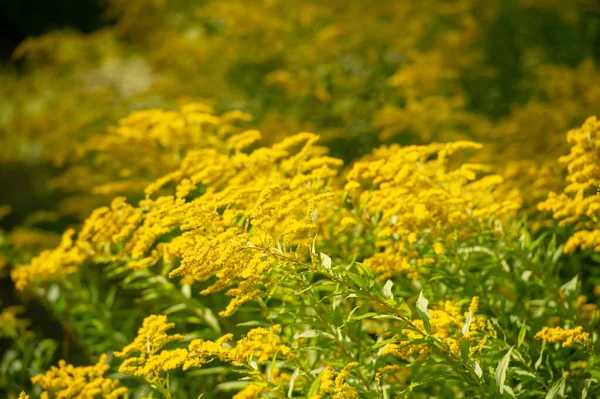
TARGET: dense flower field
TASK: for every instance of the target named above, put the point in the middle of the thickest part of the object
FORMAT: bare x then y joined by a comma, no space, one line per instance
304,199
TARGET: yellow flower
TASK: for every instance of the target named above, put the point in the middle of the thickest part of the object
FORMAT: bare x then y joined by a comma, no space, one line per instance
251,391
568,337
69,382
342,389
61,262
326,380
412,238
414,192
259,345
474,306
579,203
272,198
447,323
145,355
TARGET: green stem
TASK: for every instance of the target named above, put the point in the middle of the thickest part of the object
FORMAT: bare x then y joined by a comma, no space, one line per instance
453,360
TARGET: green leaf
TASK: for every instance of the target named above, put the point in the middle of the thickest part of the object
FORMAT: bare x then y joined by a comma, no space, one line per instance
522,333
351,314
359,281
175,308
365,316
467,324
292,380
309,334
367,272
558,388
387,290
556,255
316,384
501,370
253,323
326,261
570,287
588,383
538,362
186,290
211,320
422,311
539,240
549,367
403,306
477,369
232,386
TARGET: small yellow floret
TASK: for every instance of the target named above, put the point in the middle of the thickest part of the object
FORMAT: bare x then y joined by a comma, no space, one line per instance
568,337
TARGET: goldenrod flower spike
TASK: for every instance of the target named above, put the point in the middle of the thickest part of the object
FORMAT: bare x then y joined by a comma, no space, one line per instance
448,325
342,390
259,345
567,338
579,203
145,355
413,189
69,382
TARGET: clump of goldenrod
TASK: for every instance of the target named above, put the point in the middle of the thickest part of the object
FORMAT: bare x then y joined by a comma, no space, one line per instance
69,382
449,325
258,345
251,202
567,337
414,189
59,262
145,355
341,389
579,203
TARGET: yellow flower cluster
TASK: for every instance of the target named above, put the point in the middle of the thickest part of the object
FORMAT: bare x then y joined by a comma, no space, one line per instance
61,261
579,204
413,192
145,146
148,344
69,382
146,356
250,392
567,337
326,383
448,326
338,388
147,58
342,390
230,209
259,344
254,391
